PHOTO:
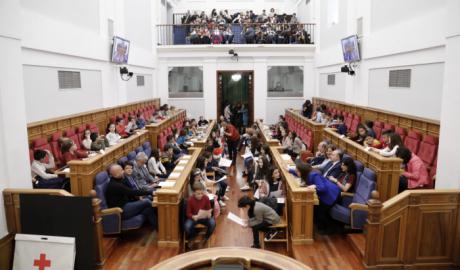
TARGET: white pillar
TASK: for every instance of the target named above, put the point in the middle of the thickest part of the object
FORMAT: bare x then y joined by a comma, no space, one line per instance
448,172
14,156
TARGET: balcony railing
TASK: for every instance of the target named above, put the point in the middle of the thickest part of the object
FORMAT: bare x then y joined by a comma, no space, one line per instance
254,33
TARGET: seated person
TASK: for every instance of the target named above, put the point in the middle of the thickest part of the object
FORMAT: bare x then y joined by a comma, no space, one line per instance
328,193
360,136
341,127
171,143
385,138
182,140
131,126
140,122
112,135
98,142
69,151
168,159
415,174
198,201
372,142
202,122
144,180
347,178
118,195
155,166
128,178
320,155
394,142
121,128
369,127
86,142
326,162
334,167
41,178
261,216
318,115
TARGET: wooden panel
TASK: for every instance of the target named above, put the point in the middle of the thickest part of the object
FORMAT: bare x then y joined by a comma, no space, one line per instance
7,251
390,239
434,234
101,117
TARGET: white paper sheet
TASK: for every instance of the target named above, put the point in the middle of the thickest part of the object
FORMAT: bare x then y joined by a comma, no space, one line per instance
280,200
66,170
186,157
285,157
236,219
174,175
179,168
167,184
247,155
182,162
222,179
204,213
223,162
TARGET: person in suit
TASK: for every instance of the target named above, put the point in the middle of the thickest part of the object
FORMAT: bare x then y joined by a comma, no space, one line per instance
334,168
141,174
341,127
128,179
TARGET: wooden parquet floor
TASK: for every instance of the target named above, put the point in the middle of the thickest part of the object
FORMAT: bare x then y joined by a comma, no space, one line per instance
138,249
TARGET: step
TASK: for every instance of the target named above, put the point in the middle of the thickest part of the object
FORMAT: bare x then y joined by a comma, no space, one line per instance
358,243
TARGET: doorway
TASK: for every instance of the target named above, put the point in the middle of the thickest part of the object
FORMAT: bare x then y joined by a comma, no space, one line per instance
236,87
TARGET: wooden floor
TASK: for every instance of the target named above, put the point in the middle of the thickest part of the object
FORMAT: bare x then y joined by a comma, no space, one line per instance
138,249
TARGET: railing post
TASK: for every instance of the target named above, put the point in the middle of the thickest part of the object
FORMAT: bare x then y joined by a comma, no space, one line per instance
373,230
98,233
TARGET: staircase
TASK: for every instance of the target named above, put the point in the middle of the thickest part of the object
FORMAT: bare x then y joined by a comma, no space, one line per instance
358,243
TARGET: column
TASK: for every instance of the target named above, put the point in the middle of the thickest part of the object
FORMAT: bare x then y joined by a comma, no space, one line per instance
448,172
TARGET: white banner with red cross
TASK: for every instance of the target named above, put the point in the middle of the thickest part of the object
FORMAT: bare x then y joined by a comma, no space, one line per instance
41,252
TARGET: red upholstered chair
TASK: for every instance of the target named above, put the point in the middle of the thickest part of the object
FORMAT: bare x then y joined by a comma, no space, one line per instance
309,141
402,132
432,173
388,126
81,133
428,149
113,119
93,127
355,123
70,133
412,141
40,143
378,127
348,121
56,147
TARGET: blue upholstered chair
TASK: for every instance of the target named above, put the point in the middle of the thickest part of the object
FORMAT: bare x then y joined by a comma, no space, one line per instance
354,212
111,217
131,155
122,161
147,148
139,149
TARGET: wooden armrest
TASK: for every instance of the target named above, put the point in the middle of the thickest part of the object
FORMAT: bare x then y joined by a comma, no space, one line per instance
111,211
348,194
358,206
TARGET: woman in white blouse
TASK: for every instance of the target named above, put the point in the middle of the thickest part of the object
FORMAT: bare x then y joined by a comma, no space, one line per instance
390,151
86,142
155,166
112,136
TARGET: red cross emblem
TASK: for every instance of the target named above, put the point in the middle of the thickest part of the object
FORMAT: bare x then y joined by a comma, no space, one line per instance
43,262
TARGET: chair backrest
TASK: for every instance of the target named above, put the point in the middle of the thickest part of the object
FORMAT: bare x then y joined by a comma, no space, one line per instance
81,133
139,149
102,180
401,132
359,166
93,127
122,160
55,147
378,127
131,155
42,144
365,187
354,125
70,133
428,149
388,126
412,141
146,145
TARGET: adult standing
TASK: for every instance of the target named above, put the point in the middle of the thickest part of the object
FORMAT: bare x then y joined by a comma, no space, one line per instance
233,137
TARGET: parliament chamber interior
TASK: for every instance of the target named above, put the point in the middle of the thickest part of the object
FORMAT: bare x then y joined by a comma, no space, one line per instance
229,134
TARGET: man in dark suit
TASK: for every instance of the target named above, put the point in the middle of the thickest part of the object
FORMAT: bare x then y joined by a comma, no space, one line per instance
334,167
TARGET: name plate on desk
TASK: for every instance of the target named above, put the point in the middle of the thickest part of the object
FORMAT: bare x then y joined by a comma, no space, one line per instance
167,184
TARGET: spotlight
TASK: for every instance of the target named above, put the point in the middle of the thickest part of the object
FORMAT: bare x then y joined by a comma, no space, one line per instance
344,69
125,71
236,77
233,54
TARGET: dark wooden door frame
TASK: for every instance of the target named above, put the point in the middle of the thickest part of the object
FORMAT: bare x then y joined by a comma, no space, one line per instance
250,94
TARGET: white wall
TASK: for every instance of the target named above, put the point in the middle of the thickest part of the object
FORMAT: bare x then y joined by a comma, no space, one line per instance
394,99
389,40
305,12
214,59
138,93
334,92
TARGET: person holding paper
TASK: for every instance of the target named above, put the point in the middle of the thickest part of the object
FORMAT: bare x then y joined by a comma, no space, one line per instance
155,166
195,214
201,163
261,217
233,137
41,177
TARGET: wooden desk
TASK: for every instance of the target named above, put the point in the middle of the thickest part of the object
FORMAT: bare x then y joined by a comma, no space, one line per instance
386,169
249,257
316,128
299,200
100,117
169,203
156,128
266,137
424,125
201,142
82,172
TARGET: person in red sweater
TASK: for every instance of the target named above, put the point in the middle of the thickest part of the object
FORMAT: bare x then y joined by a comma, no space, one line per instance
415,174
233,138
69,151
199,201
121,128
